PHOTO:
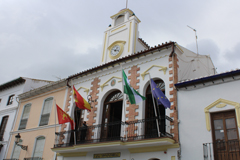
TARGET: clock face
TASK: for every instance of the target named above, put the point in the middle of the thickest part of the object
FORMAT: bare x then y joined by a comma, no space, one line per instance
115,50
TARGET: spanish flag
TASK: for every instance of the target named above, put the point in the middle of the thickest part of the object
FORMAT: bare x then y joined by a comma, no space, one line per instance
63,117
80,101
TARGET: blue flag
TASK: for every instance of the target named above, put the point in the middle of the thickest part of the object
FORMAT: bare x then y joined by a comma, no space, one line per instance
158,94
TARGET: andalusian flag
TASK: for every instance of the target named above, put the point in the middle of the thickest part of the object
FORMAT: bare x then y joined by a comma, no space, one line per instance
63,117
80,101
133,95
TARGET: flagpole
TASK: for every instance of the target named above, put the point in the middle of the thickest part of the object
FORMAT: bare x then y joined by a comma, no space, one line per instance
154,107
124,106
73,115
55,121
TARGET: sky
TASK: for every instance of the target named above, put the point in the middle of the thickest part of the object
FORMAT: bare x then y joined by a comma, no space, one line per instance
53,39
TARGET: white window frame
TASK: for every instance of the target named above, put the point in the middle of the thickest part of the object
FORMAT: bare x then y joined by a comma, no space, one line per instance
20,142
33,151
22,114
10,99
42,110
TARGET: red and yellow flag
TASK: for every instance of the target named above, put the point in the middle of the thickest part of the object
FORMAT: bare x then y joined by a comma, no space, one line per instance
80,101
63,117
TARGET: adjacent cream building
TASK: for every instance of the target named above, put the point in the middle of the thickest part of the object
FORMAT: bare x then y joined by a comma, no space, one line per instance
35,122
9,92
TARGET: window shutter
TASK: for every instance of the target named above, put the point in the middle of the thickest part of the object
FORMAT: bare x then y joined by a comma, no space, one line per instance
39,146
46,111
25,116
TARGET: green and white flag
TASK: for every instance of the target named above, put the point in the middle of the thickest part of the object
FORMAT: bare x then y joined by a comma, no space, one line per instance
133,95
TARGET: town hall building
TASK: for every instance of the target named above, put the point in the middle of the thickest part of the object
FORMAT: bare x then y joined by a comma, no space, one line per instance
116,129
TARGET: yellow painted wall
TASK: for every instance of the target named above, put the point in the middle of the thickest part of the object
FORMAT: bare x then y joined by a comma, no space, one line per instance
29,136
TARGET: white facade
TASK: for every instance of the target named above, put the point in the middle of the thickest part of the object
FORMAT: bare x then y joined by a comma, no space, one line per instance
14,87
122,49
196,102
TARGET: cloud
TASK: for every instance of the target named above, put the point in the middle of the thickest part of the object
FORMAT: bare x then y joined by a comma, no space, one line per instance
39,39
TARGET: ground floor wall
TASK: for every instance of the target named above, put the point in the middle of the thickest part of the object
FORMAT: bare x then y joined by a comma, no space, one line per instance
169,154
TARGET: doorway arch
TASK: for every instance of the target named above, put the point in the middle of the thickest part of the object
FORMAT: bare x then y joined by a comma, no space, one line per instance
150,117
112,116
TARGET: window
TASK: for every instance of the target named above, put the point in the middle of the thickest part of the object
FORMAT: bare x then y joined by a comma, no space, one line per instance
10,100
39,146
3,126
46,111
120,19
16,151
25,116
225,134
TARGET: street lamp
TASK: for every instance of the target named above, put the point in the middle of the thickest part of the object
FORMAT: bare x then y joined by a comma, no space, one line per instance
17,139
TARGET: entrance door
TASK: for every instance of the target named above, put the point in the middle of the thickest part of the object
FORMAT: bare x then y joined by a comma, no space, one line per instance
112,117
151,125
225,136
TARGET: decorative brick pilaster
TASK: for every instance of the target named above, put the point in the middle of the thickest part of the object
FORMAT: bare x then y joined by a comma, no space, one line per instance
94,91
173,64
133,78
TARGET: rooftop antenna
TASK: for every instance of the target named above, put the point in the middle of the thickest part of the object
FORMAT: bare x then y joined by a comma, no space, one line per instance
195,36
126,3
59,78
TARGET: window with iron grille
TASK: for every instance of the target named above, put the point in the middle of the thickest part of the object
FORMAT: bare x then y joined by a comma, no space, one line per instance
25,116
46,111
10,99
3,126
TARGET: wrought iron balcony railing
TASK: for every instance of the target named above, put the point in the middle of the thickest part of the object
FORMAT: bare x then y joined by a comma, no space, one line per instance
222,150
116,131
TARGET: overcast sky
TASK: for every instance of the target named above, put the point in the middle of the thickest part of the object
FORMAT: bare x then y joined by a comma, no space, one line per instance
46,39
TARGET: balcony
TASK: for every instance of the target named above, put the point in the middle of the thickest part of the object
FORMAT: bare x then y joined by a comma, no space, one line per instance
222,150
118,132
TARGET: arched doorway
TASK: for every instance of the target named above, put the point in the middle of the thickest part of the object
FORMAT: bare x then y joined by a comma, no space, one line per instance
151,124
112,116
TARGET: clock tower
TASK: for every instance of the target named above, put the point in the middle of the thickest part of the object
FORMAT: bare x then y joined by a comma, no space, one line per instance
122,37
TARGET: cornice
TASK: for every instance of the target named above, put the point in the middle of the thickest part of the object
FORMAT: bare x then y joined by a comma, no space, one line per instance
35,129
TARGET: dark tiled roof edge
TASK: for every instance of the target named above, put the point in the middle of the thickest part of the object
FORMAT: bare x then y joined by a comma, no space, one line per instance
12,83
207,78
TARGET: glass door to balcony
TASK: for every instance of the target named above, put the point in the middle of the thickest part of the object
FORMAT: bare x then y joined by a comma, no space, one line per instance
151,124
112,117
225,136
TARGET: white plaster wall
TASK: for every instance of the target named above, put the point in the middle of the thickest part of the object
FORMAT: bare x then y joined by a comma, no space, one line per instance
11,113
139,46
126,155
32,84
4,95
160,58
160,155
192,126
